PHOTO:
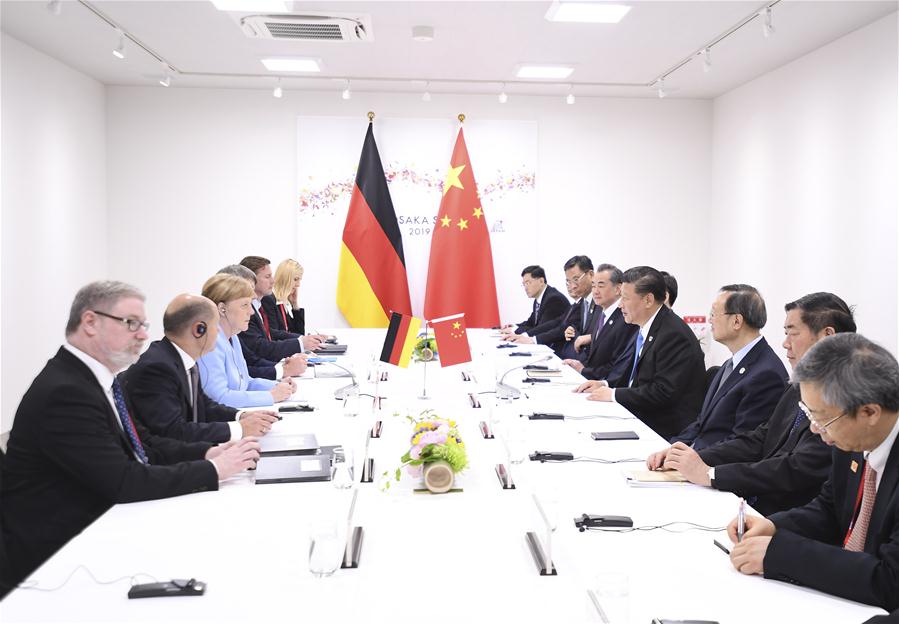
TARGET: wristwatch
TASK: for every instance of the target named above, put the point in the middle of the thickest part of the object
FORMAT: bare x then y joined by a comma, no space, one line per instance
711,474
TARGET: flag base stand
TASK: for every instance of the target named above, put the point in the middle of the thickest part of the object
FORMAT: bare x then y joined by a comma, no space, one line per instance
368,471
505,477
353,549
486,431
539,556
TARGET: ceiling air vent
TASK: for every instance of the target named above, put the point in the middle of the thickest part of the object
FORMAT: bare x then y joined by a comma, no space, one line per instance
308,27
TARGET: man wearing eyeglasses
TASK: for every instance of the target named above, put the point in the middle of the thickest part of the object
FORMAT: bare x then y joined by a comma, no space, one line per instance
75,450
578,319
780,464
549,303
845,542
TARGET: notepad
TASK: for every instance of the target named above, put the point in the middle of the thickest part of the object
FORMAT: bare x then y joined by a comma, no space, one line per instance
540,374
654,478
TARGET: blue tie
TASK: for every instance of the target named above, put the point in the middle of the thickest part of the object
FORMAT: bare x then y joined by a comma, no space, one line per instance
119,400
636,357
800,416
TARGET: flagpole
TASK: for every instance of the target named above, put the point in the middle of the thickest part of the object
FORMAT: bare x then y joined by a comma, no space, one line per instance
371,116
424,369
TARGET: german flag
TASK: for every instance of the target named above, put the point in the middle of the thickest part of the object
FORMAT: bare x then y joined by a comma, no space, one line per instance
371,280
400,339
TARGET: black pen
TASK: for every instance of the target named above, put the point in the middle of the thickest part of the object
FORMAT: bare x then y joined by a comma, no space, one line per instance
722,547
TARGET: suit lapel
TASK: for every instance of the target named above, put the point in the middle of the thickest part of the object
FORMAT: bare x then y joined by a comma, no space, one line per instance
740,371
651,335
175,360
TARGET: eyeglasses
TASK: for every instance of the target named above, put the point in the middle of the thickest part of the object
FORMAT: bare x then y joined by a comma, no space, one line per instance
132,324
527,282
713,315
813,424
574,280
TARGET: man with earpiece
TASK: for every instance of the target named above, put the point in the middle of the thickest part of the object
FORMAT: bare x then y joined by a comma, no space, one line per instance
224,370
164,384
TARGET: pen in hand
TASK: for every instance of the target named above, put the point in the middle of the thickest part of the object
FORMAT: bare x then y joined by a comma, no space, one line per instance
741,520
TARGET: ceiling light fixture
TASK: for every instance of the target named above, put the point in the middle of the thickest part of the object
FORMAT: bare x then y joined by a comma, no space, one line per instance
251,6
423,33
569,99
426,96
295,64
119,51
586,12
346,93
706,60
660,87
503,98
767,24
547,72
54,7
278,92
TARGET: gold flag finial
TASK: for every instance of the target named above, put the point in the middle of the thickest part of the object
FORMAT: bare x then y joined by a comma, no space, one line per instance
461,117
371,116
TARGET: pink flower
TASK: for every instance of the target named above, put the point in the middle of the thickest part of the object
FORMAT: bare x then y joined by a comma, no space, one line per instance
415,452
414,471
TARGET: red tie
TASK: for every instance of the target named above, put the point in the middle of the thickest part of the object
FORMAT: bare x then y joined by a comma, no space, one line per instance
268,331
855,541
284,316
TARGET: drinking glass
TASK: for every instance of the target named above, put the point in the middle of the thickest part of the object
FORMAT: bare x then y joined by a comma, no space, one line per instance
325,549
342,473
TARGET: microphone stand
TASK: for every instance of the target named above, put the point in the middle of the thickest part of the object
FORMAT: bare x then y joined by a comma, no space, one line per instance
348,390
505,391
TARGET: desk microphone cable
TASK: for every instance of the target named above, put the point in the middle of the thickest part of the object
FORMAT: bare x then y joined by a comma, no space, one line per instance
682,527
33,585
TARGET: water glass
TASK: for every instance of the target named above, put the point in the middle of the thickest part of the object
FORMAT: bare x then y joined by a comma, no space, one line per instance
613,593
325,549
342,473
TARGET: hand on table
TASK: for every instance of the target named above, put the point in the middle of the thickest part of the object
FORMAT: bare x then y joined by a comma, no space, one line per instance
575,364
233,457
681,457
582,341
257,422
590,386
295,365
656,460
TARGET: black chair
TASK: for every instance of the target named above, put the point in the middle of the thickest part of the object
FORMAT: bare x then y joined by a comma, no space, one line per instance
709,376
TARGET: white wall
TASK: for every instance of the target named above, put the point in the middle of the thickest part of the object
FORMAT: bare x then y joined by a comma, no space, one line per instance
53,206
805,181
200,178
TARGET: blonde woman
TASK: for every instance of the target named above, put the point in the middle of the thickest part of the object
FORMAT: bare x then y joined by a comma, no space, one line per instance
224,370
281,307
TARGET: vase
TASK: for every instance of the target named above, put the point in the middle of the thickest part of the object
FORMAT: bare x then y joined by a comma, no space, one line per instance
438,477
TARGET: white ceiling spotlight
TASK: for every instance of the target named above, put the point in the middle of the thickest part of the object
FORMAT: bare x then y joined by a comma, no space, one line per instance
706,60
119,51
767,24
660,87
426,96
569,99
423,33
503,98
346,93
586,12
278,92
54,7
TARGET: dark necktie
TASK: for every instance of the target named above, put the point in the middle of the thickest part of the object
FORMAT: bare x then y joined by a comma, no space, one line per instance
194,389
800,417
585,317
600,323
536,310
118,398
728,369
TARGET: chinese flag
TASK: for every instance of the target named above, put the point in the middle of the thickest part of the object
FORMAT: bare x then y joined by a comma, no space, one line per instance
460,273
452,340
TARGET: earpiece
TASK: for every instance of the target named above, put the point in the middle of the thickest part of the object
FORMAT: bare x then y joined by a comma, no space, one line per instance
200,329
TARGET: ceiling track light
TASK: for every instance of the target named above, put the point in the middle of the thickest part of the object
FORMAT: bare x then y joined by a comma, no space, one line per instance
767,23
346,93
119,51
503,98
166,79
660,87
569,99
706,60
426,96
278,92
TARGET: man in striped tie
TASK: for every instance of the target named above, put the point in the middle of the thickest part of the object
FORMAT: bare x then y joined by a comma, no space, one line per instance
846,541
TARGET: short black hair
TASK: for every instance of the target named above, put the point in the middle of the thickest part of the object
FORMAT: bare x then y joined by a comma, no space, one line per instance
615,273
582,262
670,287
823,309
535,270
646,280
746,301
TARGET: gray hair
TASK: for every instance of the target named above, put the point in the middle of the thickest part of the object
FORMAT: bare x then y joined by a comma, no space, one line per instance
615,274
852,371
99,295
240,271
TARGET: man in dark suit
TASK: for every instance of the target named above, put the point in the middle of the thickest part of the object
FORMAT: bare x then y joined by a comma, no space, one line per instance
266,358
549,303
610,337
164,385
74,449
559,334
780,464
748,386
665,382
846,541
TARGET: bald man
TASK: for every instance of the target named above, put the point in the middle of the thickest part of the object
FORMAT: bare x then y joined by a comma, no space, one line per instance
165,389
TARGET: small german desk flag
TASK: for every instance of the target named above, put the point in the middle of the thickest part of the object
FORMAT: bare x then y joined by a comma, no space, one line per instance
400,339
371,279
452,340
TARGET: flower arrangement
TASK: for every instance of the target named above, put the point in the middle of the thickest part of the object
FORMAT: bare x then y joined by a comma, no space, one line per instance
425,341
434,439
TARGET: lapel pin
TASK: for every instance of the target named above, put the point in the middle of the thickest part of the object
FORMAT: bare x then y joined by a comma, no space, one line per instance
853,466
650,339
742,370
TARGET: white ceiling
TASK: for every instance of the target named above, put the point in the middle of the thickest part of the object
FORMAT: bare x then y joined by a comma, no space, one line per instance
474,41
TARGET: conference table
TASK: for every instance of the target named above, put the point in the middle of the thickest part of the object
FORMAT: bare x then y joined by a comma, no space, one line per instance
455,557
